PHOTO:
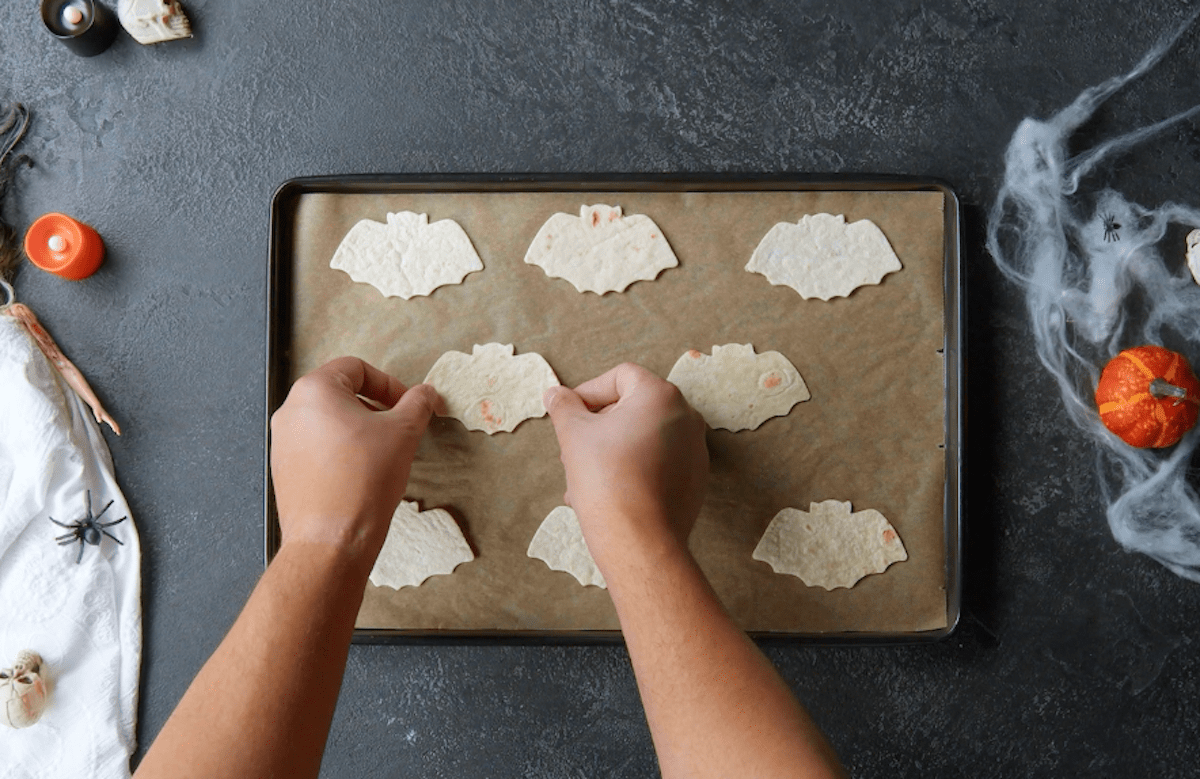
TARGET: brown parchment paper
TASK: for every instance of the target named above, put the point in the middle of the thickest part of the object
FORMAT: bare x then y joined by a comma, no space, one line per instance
871,433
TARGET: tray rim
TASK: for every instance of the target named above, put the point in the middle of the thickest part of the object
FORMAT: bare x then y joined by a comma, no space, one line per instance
953,349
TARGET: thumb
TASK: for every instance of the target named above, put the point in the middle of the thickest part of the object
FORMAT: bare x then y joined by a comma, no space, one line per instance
415,407
562,403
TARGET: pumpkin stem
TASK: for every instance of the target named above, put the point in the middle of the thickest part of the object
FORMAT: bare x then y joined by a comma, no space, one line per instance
1161,388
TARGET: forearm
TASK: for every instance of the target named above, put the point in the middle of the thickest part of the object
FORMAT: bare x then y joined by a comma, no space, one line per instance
715,705
263,703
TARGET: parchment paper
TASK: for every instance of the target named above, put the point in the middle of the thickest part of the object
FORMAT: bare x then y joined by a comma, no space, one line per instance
871,433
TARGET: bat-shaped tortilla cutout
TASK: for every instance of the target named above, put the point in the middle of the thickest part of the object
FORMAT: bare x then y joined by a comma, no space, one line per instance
490,389
823,257
407,256
601,250
735,388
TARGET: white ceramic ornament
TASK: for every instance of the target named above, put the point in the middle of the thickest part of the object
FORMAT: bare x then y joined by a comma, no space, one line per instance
22,691
154,21
1193,254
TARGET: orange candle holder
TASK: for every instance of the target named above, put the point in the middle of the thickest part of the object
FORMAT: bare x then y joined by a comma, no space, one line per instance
66,247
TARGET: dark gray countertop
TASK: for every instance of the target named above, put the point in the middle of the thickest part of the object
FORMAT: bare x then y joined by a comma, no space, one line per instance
1074,658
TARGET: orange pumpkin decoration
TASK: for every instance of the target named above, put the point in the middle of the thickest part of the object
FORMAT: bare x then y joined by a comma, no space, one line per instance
1148,396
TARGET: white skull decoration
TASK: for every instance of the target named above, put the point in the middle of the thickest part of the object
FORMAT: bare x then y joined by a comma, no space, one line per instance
22,691
154,21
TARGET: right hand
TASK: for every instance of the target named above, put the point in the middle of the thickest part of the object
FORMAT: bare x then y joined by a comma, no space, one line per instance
635,459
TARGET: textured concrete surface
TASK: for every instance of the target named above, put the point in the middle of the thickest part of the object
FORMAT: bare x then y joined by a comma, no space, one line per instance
1074,658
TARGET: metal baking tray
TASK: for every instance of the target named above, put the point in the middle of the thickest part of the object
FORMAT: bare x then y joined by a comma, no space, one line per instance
280,358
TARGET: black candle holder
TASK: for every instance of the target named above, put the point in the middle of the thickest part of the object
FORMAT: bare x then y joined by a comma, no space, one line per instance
86,27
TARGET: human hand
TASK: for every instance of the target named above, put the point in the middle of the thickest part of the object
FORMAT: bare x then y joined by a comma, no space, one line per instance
635,459
339,466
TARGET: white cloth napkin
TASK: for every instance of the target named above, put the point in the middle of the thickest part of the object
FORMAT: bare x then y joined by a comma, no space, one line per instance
84,618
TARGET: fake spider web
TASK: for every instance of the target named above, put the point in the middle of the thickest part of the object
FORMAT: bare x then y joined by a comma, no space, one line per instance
1095,282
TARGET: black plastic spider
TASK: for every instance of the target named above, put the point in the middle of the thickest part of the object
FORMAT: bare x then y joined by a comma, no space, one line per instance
87,530
1111,228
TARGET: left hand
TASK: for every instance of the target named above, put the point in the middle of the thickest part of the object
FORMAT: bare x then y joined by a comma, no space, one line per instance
340,467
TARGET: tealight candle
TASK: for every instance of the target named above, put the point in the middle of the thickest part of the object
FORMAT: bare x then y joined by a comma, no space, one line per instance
64,246
86,27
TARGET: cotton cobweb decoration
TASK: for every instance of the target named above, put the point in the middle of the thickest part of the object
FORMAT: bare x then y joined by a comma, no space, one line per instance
1095,282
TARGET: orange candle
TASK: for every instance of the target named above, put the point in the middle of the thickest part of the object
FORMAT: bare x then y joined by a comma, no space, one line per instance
64,246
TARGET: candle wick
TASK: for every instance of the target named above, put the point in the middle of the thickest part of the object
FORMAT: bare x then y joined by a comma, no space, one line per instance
57,243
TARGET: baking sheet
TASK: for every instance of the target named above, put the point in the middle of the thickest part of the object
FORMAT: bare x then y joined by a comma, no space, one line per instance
874,432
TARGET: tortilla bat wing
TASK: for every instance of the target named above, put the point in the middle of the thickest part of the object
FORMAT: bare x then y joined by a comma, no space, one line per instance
364,248
559,544
419,544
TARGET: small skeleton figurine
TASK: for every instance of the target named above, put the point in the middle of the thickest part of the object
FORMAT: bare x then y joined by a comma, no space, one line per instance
22,691
154,21
1193,254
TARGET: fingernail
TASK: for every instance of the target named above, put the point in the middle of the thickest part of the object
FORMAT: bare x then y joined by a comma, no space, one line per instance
436,401
548,397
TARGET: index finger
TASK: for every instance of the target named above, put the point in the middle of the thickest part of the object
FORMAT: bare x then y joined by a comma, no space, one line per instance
613,384
362,378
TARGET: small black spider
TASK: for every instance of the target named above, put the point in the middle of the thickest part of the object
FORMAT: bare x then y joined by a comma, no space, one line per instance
1111,228
87,530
